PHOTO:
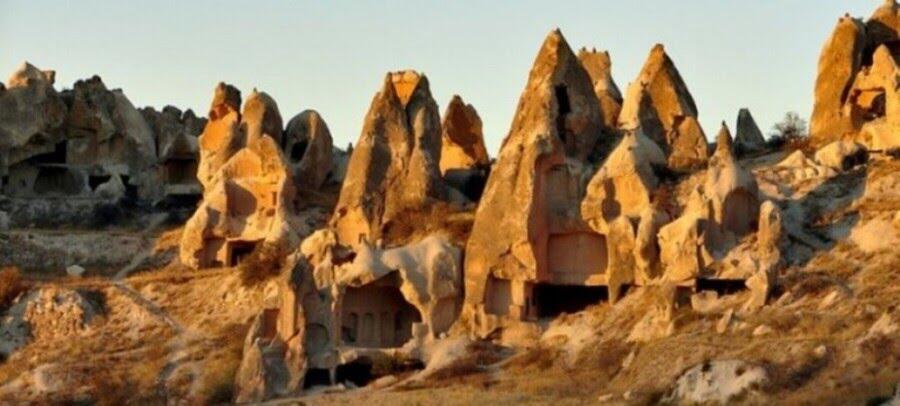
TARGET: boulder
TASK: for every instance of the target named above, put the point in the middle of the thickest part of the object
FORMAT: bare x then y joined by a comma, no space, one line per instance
395,165
716,382
528,217
748,137
839,62
841,155
599,67
462,142
658,101
308,145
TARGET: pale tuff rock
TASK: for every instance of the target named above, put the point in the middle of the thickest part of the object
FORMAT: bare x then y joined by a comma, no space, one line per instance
528,217
462,142
248,200
658,322
857,94
716,382
723,210
840,60
176,138
659,102
841,155
222,137
308,145
260,117
625,183
748,137
770,240
329,306
646,245
429,273
249,204
31,116
599,66
45,314
395,164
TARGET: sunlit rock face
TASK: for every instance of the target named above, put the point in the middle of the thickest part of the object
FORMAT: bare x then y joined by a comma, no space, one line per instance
528,228
248,200
856,94
307,143
599,66
659,103
462,142
395,163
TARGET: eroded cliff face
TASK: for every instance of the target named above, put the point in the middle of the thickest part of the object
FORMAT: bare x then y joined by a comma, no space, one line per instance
856,92
659,103
395,163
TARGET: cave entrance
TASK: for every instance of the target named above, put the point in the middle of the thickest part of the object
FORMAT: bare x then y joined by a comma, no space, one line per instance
56,179
376,315
553,300
181,171
239,250
316,377
721,286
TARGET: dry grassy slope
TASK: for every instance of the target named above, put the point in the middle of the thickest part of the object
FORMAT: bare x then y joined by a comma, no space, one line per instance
167,333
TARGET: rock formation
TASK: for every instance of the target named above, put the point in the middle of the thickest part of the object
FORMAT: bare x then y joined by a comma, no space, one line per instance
748,137
308,145
724,209
395,164
31,117
527,228
249,198
599,66
658,101
176,142
71,149
856,94
464,158
462,143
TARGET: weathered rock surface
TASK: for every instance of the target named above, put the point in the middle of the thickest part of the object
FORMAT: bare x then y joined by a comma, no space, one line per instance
395,163
722,210
462,142
717,382
222,137
308,145
748,137
528,217
658,101
31,116
840,60
249,199
599,66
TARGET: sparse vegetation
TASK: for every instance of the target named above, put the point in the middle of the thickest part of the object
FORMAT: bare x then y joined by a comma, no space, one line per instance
263,263
790,133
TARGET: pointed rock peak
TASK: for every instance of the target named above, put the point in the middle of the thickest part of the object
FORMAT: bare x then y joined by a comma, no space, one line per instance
554,50
597,64
404,83
724,141
27,72
261,116
226,98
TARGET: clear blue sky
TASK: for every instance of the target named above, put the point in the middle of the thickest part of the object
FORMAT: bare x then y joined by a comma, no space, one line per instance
332,55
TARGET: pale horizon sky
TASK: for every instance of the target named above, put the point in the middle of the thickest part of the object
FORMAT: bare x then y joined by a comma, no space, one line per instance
332,56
